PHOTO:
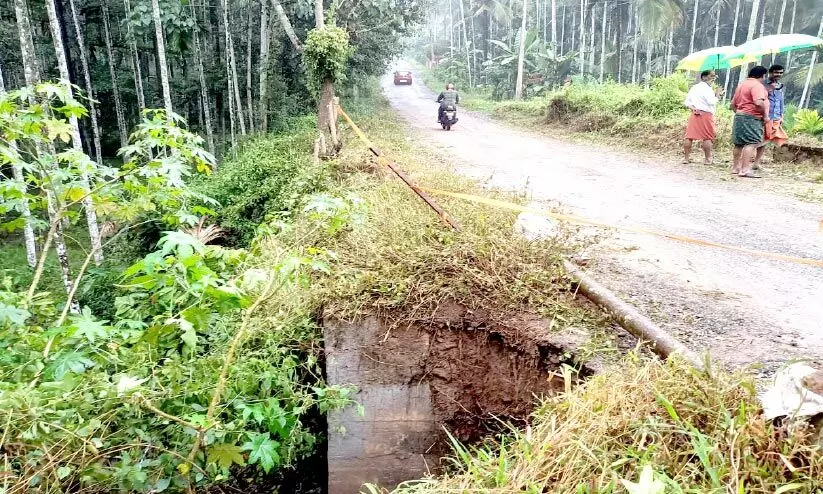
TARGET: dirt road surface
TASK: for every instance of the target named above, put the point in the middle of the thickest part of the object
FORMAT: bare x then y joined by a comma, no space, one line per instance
742,308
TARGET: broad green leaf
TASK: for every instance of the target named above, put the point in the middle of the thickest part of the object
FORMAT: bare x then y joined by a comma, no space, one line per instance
263,451
85,326
12,315
225,455
70,362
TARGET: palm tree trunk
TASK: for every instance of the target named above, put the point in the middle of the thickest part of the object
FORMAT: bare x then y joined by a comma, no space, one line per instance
554,24
77,145
636,47
135,60
619,43
582,43
562,30
249,99
806,96
648,80
782,17
473,43
25,210
749,36
603,40
115,86
161,56
669,48
592,40
84,64
734,38
694,25
763,18
518,89
791,30
233,68
205,103
466,42
717,28
265,36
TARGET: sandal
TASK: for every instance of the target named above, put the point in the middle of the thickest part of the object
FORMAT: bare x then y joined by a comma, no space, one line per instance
749,175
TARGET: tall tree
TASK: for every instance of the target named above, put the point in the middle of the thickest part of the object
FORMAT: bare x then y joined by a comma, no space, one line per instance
554,24
791,30
232,68
265,37
135,59
732,42
25,208
466,42
521,55
249,37
63,67
115,85
286,24
205,102
582,45
603,40
749,36
84,63
805,96
161,56
694,25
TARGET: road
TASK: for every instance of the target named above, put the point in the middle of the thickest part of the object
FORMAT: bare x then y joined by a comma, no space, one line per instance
742,308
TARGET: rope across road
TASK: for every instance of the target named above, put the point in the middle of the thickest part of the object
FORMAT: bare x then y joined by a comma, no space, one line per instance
423,194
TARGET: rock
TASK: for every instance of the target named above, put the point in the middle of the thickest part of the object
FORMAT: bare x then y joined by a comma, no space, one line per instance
814,382
792,395
534,226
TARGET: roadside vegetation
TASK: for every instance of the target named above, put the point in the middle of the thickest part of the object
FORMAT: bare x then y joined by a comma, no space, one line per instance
645,427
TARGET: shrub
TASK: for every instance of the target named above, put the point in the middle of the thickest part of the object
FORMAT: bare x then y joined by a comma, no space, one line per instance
808,122
267,181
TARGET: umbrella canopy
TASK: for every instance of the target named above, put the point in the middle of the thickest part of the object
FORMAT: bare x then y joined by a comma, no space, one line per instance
720,57
778,43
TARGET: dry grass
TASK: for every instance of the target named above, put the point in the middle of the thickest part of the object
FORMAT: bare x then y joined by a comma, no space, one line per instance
397,260
700,433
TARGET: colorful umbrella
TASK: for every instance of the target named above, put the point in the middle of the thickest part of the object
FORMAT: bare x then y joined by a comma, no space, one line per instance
721,57
778,43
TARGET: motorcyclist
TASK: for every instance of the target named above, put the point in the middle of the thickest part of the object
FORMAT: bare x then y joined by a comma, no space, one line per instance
449,97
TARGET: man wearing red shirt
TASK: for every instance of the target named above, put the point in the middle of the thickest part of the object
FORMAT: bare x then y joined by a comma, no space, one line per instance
750,105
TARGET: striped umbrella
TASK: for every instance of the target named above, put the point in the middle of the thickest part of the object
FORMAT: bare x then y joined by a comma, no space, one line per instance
778,43
720,57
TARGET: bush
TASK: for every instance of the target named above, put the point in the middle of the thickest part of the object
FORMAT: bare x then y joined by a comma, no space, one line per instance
267,181
808,122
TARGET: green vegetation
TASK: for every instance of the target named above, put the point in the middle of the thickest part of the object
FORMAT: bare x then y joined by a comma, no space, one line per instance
642,427
268,180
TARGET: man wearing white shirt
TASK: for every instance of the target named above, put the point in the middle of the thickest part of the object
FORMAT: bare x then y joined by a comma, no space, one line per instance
702,101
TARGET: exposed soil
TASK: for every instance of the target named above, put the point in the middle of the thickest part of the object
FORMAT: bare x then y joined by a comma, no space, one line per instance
463,371
480,371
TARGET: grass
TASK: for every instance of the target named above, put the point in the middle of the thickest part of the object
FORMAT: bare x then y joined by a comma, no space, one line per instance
397,260
698,431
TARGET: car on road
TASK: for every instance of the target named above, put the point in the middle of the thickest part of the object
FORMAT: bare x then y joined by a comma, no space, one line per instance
402,77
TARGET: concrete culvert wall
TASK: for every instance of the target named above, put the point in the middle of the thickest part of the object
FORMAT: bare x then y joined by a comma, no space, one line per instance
459,371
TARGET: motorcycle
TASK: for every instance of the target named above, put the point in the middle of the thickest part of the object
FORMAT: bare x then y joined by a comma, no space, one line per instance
448,117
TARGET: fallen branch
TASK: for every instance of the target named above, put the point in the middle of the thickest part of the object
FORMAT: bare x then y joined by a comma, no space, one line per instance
662,343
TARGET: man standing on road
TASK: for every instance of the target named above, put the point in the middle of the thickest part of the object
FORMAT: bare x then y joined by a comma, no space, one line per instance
751,106
774,131
449,97
702,101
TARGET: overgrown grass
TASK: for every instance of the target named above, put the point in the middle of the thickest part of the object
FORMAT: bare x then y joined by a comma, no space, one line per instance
396,259
698,431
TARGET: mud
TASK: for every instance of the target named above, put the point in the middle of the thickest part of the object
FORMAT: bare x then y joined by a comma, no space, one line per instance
460,371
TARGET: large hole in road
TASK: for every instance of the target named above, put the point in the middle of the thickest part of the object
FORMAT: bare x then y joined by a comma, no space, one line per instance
458,371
